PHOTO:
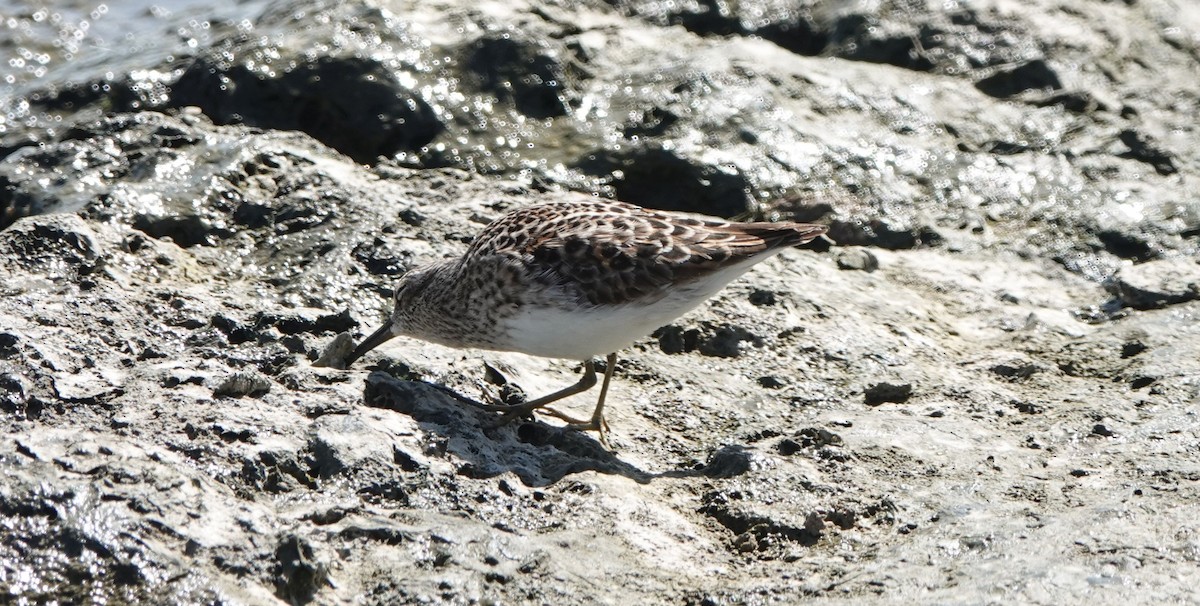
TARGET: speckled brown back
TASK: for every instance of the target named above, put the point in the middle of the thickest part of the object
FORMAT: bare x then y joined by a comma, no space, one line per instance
612,253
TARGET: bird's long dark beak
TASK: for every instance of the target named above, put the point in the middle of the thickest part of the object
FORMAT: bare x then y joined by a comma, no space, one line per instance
376,339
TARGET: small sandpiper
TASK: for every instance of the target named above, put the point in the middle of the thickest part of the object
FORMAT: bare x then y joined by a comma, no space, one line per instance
577,280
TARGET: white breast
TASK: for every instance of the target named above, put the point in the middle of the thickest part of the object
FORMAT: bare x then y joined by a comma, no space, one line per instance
580,334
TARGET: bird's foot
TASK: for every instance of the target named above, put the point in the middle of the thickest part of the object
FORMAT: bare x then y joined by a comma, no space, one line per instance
518,411
598,424
512,412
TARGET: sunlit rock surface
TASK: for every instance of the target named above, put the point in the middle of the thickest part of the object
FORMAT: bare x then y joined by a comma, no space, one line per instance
983,391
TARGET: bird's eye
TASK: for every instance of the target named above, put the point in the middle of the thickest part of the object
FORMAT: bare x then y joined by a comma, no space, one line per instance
404,292
407,288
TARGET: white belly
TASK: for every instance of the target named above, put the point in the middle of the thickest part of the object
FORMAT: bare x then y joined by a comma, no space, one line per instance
586,333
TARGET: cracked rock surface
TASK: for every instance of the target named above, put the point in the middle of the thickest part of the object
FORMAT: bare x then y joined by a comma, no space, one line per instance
983,390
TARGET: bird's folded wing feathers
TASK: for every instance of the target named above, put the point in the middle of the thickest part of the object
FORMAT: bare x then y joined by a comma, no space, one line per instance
614,253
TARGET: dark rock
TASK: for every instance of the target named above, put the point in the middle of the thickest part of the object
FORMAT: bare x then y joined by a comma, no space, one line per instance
882,234
664,179
746,543
880,393
674,340
1128,246
652,123
329,516
1157,284
386,534
13,395
298,573
815,437
383,490
788,447
728,462
411,217
183,230
763,298
1143,149
1028,408
711,340
1133,348
236,331
381,118
1010,81
808,438
9,345
380,259
520,72
860,38
16,201
276,471
1080,102
726,342
796,30
1018,372
307,321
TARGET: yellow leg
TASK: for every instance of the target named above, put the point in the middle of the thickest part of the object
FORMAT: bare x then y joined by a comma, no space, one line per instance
598,424
586,382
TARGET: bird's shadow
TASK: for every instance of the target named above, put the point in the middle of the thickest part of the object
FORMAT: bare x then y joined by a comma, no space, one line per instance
537,453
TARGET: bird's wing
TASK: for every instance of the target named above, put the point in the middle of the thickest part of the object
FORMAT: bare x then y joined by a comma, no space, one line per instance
611,253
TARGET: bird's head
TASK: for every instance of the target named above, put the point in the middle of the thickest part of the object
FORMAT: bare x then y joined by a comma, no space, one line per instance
410,286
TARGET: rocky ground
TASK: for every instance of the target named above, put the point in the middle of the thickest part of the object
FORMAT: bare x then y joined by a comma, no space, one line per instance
983,389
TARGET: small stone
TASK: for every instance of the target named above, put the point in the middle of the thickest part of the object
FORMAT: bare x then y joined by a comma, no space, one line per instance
815,437
334,354
728,462
763,298
746,543
1132,349
411,217
788,447
857,259
1016,372
1028,408
243,383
